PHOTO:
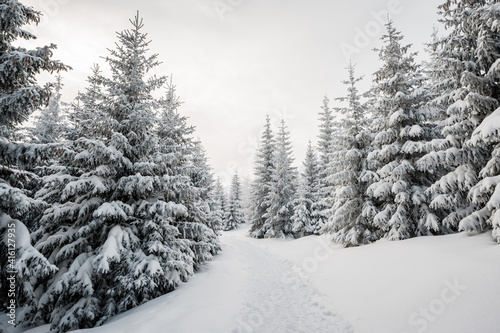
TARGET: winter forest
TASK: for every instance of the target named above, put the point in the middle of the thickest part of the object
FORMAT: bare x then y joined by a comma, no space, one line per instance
109,203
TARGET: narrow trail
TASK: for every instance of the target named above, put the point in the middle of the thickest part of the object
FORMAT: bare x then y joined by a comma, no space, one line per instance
278,298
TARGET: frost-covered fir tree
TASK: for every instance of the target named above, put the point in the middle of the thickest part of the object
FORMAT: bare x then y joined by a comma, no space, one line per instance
283,188
234,215
261,186
398,188
436,85
220,202
202,226
190,173
20,95
301,218
307,217
88,117
19,214
437,82
246,198
484,195
236,191
327,131
119,230
216,218
468,91
203,181
237,195
347,223
49,124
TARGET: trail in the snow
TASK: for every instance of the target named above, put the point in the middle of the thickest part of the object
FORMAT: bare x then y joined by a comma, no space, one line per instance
246,289
278,298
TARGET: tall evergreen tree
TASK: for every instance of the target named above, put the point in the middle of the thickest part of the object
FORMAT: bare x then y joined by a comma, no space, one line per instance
437,85
201,227
234,215
264,165
479,112
485,194
327,132
307,217
283,188
398,190
220,200
119,230
246,198
88,117
468,91
20,95
214,220
190,174
49,124
347,222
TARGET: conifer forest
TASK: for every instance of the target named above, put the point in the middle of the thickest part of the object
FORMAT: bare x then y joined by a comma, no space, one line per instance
114,219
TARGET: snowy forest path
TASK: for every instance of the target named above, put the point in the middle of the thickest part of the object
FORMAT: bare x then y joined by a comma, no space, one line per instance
277,297
247,288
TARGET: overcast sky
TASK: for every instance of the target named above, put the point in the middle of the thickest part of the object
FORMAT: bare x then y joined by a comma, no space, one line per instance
234,61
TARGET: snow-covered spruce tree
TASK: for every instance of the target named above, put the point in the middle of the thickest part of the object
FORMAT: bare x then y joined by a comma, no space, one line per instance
236,194
234,215
468,91
202,226
283,188
347,223
307,218
88,117
261,186
19,93
220,202
19,97
113,230
190,173
327,131
203,182
19,213
49,123
485,194
438,77
437,85
398,188
301,218
246,198
215,218
50,128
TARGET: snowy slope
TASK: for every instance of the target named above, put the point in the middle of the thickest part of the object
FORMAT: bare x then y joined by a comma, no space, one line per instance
429,284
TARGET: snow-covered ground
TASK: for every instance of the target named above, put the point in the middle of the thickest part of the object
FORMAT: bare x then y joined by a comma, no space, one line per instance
428,284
